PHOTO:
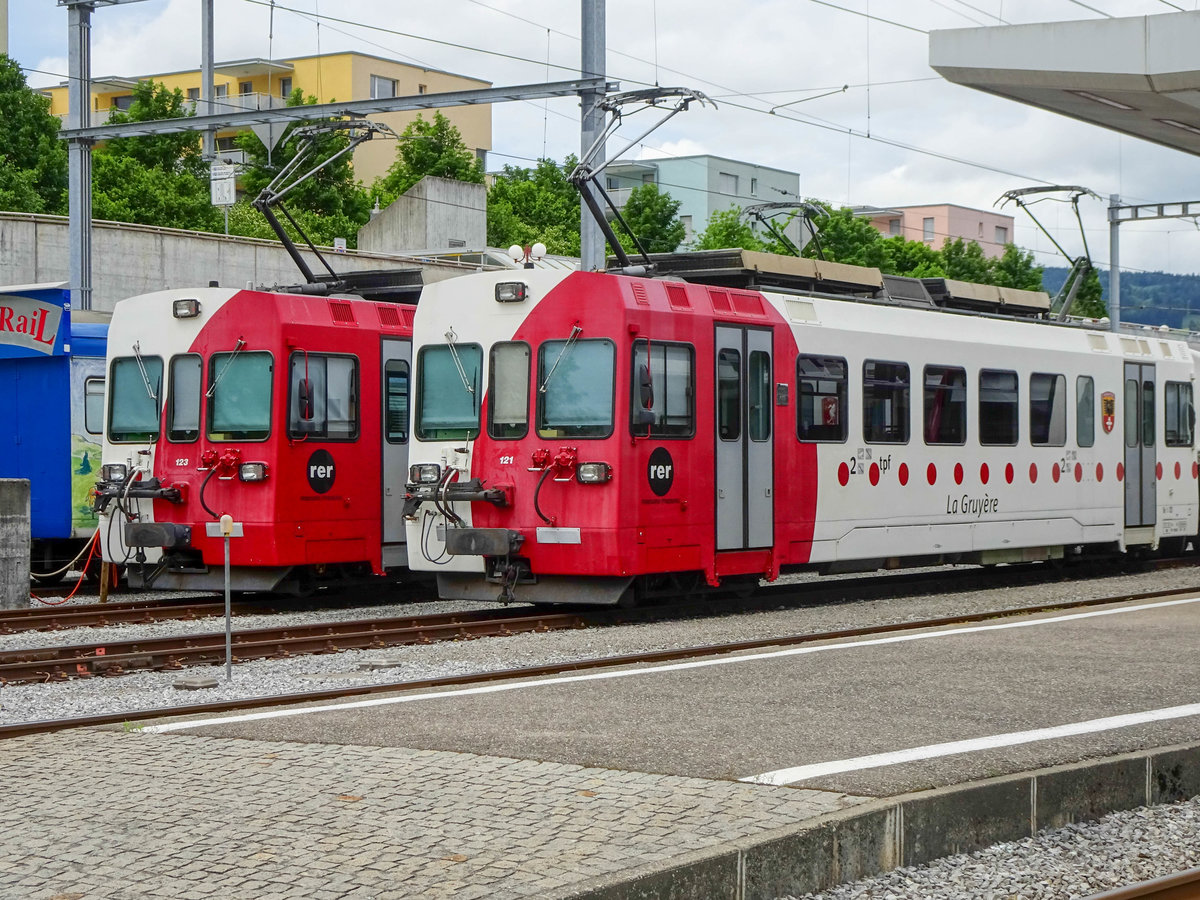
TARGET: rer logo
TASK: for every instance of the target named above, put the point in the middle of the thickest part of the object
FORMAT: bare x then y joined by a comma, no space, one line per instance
320,471
661,471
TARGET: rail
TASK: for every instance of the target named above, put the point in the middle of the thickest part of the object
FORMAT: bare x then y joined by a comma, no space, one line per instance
1181,886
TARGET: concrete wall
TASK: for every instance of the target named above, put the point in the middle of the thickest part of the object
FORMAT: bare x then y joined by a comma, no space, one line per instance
434,212
14,543
135,259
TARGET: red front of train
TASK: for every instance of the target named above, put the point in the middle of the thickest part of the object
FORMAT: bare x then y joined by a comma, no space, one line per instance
561,435
275,409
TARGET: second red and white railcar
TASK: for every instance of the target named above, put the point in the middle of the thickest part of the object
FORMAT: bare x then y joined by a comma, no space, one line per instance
582,437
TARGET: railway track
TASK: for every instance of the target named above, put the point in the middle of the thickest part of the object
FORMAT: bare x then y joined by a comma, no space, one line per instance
422,629
125,612
1182,886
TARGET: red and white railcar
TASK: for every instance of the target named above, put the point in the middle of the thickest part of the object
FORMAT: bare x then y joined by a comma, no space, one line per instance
287,412
582,437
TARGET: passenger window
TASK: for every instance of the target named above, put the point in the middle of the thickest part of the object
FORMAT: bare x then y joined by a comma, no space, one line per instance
945,405
93,405
183,408
885,402
729,395
999,410
821,410
1085,411
395,401
323,397
1148,414
664,387
1180,418
575,388
239,396
759,408
1047,410
508,415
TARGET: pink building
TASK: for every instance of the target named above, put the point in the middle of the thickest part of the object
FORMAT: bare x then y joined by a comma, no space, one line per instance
936,222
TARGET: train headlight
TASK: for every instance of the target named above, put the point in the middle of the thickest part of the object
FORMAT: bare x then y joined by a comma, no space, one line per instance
593,473
253,471
185,309
511,291
425,473
113,471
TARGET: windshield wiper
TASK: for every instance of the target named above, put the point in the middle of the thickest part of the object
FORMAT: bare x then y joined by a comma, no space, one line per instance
137,355
451,337
575,332
237,348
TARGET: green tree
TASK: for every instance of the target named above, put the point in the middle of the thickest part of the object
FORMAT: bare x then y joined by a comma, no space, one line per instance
427,148
1090,299
332,202
727,229
33,161
965,261
157,179
1015,268
538,204
654,218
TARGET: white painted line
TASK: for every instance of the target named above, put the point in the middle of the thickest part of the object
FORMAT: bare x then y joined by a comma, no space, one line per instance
656,670
933,751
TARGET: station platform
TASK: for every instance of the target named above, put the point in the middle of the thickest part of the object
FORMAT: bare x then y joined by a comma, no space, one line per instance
756,775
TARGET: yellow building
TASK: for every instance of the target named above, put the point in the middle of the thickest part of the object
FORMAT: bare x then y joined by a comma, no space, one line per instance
265,84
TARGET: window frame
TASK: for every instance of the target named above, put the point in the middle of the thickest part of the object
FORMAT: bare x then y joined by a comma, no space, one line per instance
385,394
491,389
419,408
168,429
324,437
540,407
842,394
905,390
1050,441
635,404
111,392
88,421
1016,417
212,398
383,79
940,388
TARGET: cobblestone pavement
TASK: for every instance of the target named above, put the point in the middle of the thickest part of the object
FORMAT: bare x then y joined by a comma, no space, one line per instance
93,815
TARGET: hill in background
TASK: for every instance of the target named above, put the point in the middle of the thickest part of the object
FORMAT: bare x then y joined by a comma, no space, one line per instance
1149,298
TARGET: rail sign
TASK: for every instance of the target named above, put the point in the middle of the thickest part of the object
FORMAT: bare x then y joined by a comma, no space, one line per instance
223,184
30,325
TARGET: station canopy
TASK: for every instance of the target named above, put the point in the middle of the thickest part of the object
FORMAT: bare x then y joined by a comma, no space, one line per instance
1139,76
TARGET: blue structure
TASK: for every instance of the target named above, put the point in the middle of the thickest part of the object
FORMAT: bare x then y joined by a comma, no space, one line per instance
51,404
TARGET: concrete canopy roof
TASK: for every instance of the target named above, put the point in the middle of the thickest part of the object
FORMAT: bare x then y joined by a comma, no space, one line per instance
1139,76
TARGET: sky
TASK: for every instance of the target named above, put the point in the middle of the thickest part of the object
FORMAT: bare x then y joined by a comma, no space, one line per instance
748,56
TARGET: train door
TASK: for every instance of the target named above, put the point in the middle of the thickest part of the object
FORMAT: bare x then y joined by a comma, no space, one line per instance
396,361
745,465
1140,453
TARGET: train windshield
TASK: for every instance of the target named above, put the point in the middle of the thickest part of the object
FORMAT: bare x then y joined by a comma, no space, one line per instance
448,388
576,394
133,402
239,396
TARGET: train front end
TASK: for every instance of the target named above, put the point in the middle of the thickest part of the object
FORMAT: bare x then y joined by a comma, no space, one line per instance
257,405
514,485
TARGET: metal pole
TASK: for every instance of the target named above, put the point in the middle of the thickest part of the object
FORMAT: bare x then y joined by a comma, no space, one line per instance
228,619
206,75
1114,263
79,155
591,239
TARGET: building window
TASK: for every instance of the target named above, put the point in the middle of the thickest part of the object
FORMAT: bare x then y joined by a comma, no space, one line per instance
382,88
687,225
1001,234
220,90
122,102
727,183
422,88
193,93
893,227
647,178
610,183
245,87
285,87
927,229
753,187
981,231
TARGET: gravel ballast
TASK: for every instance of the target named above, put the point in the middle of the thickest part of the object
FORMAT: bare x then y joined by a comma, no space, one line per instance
1082,859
